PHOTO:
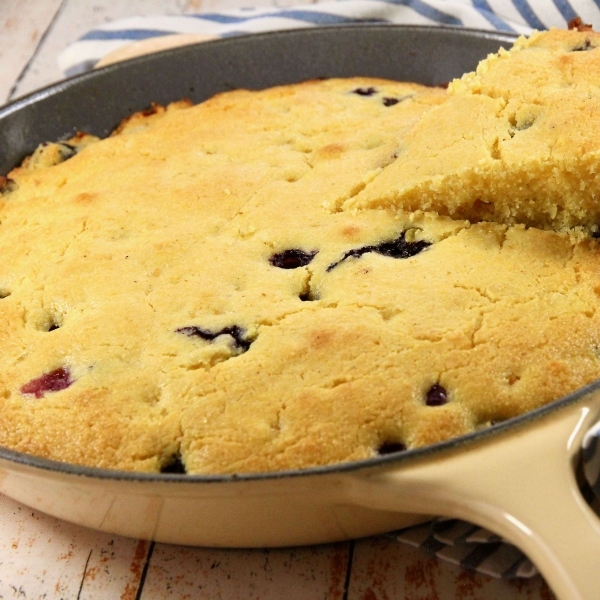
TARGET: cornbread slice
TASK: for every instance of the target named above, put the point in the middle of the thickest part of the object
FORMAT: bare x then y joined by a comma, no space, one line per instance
516,142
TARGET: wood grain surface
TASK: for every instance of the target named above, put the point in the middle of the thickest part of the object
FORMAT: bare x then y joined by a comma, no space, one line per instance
42,557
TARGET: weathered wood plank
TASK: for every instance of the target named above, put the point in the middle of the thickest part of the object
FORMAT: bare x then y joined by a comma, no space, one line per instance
276,574
22,26
43,557
75,19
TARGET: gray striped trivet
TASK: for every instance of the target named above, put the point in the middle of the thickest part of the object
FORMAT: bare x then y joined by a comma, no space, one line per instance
468,546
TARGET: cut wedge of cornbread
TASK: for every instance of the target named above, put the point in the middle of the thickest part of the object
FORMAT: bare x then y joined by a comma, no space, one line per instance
516,142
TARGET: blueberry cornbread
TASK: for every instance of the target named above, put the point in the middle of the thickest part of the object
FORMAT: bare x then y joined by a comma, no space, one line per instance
196,293
137,270
517,141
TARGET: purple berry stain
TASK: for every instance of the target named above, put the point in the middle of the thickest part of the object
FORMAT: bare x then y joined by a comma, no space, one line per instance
436,396
54,381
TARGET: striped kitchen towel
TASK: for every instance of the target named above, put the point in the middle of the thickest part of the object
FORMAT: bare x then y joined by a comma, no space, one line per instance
516,16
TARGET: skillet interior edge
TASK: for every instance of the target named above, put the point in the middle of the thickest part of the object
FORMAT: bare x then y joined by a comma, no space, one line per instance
96,102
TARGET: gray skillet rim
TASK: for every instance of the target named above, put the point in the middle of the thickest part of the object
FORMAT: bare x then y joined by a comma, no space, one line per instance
29,460
86,103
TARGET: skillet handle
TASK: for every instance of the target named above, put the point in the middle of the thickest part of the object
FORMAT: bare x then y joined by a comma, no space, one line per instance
520,484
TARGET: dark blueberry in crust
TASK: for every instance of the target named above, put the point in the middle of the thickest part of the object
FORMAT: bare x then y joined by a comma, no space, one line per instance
392,101
596,234
436,396
365,91
390,448
398,248
175,465
292,258
59,379
67,150
237,333
6,185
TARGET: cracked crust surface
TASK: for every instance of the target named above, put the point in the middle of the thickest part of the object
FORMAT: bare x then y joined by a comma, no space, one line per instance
517,141
145,322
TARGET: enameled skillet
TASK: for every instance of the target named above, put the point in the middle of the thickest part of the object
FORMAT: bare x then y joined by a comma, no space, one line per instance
516,478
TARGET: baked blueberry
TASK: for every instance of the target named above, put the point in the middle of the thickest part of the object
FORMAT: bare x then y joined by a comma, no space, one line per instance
436,396
391,101
54,381
370,91
292,258
398,248
390,448
237,333
175,465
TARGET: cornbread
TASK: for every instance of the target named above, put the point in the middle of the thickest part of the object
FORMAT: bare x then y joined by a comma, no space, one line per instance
516,142
214,289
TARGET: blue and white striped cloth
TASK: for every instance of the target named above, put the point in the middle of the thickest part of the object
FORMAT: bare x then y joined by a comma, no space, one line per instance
517,16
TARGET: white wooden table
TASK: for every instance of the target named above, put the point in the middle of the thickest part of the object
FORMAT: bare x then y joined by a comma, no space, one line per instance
42,557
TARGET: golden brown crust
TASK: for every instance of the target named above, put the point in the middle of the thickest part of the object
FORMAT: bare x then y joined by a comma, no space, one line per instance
148,116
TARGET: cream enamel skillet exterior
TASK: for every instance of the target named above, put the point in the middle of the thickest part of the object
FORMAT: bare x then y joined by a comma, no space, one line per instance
501,478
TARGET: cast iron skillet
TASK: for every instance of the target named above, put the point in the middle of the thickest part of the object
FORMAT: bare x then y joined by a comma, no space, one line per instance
516,478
